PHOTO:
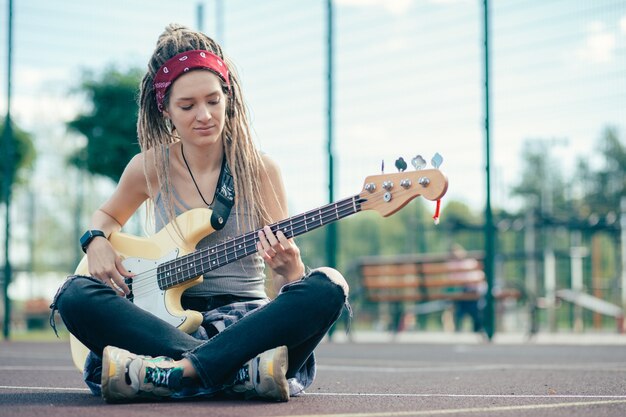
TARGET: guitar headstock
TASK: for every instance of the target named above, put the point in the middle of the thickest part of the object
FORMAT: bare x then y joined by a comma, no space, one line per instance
388,193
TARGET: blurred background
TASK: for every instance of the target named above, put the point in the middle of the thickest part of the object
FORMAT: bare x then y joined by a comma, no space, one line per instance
524,99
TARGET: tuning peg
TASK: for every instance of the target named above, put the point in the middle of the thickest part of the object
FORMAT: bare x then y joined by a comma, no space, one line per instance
418,162
437,160
401,164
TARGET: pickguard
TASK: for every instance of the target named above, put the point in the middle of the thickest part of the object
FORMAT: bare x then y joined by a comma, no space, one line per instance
146,293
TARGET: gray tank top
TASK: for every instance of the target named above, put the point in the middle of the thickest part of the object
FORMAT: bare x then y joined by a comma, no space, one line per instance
244,277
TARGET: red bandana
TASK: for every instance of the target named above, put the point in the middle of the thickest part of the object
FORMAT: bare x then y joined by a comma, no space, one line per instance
183,62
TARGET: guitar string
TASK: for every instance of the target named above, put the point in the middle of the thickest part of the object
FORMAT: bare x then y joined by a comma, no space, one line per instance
220,251
228,246
246,242
249,240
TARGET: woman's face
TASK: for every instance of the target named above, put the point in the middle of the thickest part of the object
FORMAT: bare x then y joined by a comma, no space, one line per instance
197,107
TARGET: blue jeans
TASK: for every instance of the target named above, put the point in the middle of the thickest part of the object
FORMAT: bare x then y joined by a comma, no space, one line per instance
298,318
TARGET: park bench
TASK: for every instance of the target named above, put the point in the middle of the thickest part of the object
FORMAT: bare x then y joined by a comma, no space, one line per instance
429,282
36,313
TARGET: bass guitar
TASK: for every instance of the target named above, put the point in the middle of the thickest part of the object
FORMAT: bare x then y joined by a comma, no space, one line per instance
165,265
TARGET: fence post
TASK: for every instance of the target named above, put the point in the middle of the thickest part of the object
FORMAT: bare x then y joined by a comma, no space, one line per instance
623,246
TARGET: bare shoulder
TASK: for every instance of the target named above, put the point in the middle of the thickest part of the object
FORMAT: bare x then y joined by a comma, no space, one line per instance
134,169
271,167
136,162
142,164
274,188
130,192
134,176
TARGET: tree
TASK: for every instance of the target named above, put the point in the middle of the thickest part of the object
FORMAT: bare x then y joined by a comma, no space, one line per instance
605,185
541,182
110,124
23,155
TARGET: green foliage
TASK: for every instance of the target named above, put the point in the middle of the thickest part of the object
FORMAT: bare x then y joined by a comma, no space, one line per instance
604,186
23,152
541,183
598,187
581,211
110,125
458,212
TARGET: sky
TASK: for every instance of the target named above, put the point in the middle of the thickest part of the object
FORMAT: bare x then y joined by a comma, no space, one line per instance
409,77
408,80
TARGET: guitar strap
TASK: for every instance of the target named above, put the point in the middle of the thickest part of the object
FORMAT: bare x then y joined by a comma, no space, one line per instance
224,197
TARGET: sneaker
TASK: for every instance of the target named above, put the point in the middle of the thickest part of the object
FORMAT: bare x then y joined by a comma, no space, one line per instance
264,376
126,376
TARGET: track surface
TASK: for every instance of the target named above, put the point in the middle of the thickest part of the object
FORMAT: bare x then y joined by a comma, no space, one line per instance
458,377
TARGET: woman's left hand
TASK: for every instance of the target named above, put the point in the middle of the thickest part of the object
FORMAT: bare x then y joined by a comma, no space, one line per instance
282,255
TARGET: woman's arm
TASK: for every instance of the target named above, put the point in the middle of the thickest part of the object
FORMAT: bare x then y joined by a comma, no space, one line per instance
131,191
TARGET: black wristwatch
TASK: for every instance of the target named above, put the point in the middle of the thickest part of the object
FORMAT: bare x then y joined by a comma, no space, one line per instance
89,235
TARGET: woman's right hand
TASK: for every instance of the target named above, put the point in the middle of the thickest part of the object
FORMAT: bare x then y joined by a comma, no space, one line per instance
106,265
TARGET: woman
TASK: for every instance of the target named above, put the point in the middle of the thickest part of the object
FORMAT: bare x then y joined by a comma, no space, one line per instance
197,151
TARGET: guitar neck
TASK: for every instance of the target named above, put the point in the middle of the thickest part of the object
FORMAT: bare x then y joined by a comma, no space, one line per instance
207,259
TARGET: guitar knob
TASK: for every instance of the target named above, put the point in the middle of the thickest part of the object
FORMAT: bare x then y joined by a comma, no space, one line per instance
387,185
370,187
424,181
405,183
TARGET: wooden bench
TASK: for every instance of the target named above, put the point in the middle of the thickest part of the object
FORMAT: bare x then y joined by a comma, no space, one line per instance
37,313
438,279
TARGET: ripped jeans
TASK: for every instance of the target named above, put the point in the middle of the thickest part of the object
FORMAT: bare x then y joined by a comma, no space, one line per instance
298,318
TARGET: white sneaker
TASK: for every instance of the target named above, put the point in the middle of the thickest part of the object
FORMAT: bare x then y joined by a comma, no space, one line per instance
264,376
126,376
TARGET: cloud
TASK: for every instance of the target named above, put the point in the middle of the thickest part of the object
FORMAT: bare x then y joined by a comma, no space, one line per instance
35,79
33,111
42,97
599,45
395,7
448,1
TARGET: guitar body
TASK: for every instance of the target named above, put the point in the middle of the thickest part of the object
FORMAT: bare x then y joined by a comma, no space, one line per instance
141,256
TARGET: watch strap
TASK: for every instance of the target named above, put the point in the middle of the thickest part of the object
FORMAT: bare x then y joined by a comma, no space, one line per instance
89,235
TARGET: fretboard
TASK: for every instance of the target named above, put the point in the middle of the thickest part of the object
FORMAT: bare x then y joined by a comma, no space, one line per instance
190,266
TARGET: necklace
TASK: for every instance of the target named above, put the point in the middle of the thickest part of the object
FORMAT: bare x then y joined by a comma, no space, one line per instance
192,177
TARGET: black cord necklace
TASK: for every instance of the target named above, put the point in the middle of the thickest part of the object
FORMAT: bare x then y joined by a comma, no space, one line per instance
192,177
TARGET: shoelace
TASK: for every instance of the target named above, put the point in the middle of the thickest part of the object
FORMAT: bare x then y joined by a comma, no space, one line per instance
159,377
243,375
